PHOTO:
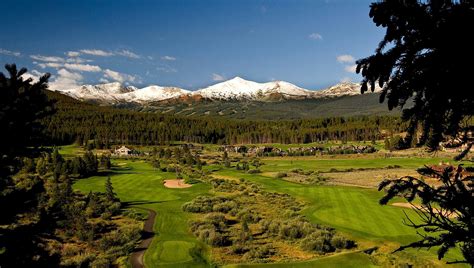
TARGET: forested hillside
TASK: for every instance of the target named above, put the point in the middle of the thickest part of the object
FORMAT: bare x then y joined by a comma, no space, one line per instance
77,122
367,104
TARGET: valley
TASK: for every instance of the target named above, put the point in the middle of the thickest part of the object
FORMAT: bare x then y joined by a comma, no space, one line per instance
236,134
353,211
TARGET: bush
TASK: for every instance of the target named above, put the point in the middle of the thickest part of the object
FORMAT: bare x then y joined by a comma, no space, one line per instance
296,170
205,204
211,230
224,206
253,171
295,229
260,252
319,242
280,175
250,217
341,242
239,248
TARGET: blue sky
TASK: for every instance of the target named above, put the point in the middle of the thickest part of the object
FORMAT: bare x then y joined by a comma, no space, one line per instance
190,44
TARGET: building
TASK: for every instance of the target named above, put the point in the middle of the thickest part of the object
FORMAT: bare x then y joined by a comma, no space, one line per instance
123,151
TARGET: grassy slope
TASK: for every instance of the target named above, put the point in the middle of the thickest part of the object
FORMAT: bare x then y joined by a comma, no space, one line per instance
345,260
314,163
351,210
139,184
367,104
354,211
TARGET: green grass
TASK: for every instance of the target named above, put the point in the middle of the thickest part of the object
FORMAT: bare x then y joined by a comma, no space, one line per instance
353,211
324,165
379,144
345,260
137,183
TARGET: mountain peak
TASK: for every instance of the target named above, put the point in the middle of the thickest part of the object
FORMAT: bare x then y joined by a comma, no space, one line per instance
236,88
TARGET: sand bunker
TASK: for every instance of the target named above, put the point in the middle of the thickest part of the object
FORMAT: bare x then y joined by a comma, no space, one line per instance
176,184
403,205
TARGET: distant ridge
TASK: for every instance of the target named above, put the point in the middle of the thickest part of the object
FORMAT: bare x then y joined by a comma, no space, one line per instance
235,89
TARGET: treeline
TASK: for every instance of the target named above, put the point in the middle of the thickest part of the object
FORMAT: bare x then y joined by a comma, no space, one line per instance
79,122
48,224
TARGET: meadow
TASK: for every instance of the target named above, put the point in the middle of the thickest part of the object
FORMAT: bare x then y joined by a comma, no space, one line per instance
139,185
353,211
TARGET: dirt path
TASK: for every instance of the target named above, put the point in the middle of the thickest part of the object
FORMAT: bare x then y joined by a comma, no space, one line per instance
147,237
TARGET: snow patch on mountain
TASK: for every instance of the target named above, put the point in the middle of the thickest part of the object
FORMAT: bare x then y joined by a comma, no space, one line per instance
233,89
239,89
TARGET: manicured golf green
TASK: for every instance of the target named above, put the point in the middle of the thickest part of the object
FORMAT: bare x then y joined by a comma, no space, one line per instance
140,185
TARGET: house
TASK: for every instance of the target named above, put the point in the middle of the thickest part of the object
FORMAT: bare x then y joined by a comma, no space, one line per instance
123,151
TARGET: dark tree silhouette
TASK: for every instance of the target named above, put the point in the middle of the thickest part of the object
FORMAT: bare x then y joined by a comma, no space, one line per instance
423,65
22,104
420,63
446,211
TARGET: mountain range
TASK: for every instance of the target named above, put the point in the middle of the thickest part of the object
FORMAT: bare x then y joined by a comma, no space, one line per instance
236,89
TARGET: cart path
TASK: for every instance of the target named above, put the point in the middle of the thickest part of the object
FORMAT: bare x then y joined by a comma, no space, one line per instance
147,237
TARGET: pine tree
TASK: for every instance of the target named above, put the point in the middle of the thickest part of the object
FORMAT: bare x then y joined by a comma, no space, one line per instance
109,190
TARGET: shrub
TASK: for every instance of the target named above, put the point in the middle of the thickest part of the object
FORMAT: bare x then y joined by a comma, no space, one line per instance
295,229
319,241
239,248
246,215
224,206
203,204
260,252
296,170
341,242
253,171
280,175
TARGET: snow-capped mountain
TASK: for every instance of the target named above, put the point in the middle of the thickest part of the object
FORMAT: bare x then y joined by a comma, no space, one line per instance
154,93
239,89
101,92
115,93
342,89
234,89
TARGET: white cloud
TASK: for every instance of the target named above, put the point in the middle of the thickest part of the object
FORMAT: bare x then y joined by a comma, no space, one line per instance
128,53
71,66
350,68
346,58
77,60
96,52
73,54
170,58
50,65
150,57
34,75
66,80
47,58
217,77
9,52
83,67
315,36
119,77
103,80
